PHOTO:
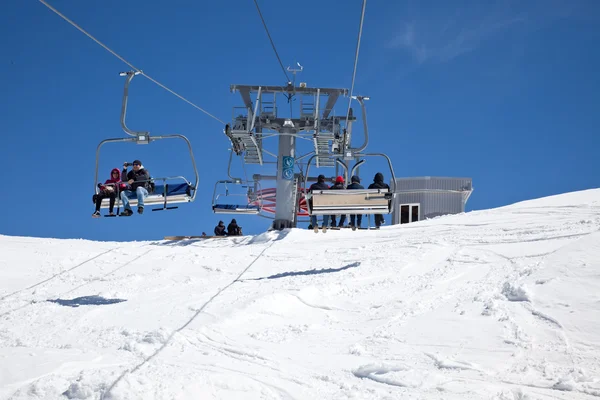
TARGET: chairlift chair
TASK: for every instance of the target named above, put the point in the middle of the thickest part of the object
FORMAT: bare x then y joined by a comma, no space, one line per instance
165,192
221,192
351,201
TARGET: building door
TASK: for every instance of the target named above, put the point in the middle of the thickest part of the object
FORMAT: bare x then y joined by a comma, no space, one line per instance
409,213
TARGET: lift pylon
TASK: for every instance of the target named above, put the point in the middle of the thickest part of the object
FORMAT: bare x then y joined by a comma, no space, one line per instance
259,119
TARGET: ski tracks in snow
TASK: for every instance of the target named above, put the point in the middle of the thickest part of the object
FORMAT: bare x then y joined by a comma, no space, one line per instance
107,394
474,259
64,271
430,310
40,296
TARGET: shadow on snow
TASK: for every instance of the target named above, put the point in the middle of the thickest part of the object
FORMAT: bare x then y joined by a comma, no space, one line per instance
86,301
308,272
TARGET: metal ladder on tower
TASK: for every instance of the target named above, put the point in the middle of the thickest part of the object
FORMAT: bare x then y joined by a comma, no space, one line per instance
321,141
251,143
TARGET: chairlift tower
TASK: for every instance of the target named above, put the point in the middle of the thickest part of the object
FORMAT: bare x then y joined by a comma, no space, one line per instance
313,120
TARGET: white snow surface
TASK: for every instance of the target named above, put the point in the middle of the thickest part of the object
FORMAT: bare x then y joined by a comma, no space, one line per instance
495,304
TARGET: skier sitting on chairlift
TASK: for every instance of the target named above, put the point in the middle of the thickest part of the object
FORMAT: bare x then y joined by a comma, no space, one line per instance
139,179
379,184
319,185
355,219
108,190
339,185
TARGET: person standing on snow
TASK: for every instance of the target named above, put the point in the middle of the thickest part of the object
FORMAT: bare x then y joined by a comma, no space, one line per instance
220,229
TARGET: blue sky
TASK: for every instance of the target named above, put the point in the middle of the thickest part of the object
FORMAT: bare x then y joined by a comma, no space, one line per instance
503,92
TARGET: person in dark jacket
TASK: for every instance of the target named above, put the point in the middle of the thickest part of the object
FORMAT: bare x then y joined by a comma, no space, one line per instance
233,229
139,182
338,185
319,185
220,229
355,220
378,184
108,190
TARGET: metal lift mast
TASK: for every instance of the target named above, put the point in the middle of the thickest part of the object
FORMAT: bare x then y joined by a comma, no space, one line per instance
315,122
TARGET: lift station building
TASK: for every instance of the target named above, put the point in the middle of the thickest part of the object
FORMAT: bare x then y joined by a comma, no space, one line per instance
426,197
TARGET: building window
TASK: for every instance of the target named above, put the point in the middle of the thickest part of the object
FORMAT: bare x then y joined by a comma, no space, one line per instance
409,213
404,214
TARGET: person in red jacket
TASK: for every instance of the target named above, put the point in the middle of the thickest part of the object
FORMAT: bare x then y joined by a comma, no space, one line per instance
108,190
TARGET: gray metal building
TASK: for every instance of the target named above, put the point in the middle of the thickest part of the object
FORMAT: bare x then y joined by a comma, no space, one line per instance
429,196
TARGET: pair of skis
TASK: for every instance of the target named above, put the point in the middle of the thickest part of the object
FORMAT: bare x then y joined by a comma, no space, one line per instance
325,229
196,237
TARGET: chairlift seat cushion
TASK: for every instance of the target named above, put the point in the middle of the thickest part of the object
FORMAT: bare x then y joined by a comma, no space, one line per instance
173,189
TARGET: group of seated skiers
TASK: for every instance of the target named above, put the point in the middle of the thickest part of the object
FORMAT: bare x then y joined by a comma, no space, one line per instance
355,220
123,184
233,229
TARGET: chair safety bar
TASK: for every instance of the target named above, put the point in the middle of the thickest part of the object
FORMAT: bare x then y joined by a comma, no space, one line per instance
171,192
225,207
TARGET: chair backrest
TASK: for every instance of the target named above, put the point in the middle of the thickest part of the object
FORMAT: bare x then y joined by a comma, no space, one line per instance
360,201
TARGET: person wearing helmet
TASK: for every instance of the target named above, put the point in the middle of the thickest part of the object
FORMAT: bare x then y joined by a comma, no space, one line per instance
378,184
339,185
355,220
319,185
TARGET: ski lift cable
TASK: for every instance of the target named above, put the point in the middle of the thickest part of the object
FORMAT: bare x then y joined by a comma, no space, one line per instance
362,17
127,62
272,44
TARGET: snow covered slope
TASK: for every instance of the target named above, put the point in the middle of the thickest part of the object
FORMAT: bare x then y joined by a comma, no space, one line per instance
496,304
